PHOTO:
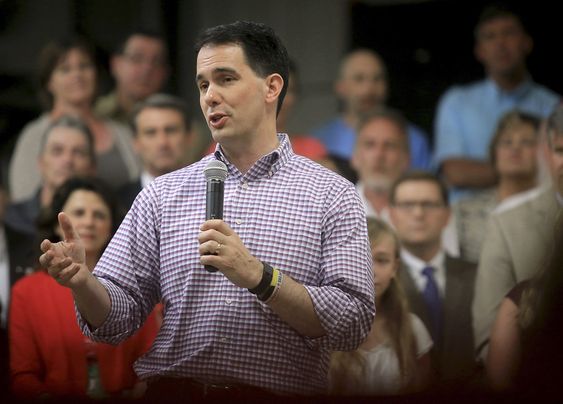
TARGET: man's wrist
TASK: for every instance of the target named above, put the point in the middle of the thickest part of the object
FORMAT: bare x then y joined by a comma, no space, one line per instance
266,279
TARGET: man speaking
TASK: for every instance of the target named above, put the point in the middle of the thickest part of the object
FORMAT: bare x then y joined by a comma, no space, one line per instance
294,277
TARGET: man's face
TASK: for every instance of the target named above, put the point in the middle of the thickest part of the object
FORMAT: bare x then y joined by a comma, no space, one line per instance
419,213
65,154
233,98
142,69
556,162
162,140
502,46
362,85
381,155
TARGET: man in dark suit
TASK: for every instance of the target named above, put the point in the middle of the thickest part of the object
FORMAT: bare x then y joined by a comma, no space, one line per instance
15,262
161,125
439,287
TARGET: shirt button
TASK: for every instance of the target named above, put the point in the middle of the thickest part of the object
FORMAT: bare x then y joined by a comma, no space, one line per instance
238,221
228,301
224,339
270,173
245,185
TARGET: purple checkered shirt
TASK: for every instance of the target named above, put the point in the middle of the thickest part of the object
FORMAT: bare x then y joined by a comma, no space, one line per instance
290,212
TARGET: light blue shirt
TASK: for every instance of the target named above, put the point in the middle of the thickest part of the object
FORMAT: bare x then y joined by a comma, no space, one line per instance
340,139
467,117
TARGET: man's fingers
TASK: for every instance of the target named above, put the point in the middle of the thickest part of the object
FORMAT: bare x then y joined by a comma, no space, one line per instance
66,274
45,245
217,224
54,268
67,228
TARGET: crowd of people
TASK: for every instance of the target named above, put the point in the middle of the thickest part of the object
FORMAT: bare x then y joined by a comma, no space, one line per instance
356,260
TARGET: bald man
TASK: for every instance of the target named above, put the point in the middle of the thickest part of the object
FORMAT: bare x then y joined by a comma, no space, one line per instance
362,87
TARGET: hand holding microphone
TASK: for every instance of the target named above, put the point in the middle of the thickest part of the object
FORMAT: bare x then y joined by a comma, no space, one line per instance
220,243
215,175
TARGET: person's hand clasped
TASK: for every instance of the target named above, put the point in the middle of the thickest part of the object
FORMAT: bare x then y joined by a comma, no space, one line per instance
222,248
65,260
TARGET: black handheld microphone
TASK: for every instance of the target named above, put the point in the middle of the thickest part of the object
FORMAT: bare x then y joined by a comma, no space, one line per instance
215,175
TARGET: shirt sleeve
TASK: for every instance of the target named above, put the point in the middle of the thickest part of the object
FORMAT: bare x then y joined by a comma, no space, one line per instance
448,133
129,270
345,300
495,277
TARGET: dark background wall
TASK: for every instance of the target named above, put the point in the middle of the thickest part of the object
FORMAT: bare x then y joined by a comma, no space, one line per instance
427,45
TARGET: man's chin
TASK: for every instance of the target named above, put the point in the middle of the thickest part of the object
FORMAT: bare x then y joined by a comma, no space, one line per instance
379,184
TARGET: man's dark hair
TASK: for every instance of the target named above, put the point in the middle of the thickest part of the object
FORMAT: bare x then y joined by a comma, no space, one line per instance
161,101
419,176
122,44
495,11
262,48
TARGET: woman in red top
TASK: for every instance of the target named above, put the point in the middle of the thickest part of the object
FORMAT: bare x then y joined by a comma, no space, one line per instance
49,355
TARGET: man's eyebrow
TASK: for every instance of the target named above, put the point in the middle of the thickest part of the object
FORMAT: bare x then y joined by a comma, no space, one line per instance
218,70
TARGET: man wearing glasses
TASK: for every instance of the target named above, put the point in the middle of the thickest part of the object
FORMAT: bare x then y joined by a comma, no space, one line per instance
439,287
140,69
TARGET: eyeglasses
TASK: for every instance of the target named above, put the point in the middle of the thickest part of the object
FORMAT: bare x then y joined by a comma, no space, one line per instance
426,206
138,59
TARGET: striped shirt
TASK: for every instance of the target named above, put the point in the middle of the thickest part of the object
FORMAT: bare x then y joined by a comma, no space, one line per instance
290,212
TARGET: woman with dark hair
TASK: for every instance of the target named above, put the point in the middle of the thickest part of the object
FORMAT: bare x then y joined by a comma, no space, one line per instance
395,357
68,86
49,355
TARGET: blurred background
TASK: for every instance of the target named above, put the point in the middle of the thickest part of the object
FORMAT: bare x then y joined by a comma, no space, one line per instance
427,45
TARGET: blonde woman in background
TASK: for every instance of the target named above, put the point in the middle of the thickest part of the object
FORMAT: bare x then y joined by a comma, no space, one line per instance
394,358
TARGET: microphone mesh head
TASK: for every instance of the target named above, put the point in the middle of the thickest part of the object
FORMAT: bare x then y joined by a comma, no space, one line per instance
215,170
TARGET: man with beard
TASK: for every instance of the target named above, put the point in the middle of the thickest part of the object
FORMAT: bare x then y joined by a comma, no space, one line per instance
381,156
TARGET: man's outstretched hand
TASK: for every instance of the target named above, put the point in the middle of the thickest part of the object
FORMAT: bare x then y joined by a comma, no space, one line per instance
65,261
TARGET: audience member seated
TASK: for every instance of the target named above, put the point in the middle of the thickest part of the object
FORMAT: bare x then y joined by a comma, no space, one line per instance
525,352
49,355
516,240
394,357
467,115
361,87
140,68
161,126
514,156
439,287
381,156
68,76
66,149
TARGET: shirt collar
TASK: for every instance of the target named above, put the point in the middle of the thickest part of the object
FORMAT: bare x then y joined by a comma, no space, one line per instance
146,179
267,165
517,93
418,265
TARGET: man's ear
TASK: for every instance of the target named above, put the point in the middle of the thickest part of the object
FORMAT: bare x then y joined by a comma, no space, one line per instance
274,86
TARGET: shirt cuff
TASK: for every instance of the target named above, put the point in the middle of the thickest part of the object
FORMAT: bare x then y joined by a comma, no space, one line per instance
115,328
346,318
